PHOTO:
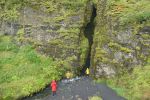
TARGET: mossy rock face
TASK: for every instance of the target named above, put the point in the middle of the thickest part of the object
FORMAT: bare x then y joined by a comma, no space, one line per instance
54,27
117,47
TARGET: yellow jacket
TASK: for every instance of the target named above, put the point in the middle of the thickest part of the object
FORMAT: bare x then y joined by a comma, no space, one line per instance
68,75
87,71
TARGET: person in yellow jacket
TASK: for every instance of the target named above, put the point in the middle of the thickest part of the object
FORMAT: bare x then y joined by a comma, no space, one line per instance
87,71
69,75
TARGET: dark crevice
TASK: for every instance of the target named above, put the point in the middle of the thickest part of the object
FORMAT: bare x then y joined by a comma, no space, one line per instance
88,33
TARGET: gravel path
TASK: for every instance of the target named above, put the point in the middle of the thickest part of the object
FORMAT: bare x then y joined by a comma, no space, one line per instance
77,90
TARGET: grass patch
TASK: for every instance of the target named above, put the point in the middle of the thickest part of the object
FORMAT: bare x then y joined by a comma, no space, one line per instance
24,71
134,86
130,11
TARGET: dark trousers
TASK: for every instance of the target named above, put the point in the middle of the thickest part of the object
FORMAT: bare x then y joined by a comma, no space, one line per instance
54,93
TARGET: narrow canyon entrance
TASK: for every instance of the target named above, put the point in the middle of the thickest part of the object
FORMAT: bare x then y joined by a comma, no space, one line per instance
88,33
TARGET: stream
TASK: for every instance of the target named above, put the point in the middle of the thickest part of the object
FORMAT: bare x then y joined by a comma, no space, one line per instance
80,88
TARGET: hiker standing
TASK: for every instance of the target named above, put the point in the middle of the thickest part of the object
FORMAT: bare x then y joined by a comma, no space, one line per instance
69,75
87,71
54,87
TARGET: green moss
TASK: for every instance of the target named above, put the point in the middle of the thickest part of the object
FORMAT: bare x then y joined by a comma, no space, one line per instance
64,31
114,61
126,50
84,47
49,6
55,42
137,48
119,47
20,35
145,36
49,31
95,1
58,19
47,20
129,11
100,53
100,37
20,32
114,45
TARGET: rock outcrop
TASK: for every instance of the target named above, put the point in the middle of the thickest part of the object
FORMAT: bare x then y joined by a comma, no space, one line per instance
117,47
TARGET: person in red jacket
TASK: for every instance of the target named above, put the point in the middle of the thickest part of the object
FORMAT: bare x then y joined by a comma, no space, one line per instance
54,87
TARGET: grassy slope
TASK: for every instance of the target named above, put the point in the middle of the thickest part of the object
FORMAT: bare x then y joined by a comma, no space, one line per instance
23,70
134,86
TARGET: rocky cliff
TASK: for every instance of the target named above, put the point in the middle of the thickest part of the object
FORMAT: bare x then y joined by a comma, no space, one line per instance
54,27
120,42
83,33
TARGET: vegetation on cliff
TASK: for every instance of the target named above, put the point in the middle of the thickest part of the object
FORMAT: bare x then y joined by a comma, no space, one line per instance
117,24
115,17
64,21
129,11
10,9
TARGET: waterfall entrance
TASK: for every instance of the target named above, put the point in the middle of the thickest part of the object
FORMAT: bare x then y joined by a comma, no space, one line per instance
88,33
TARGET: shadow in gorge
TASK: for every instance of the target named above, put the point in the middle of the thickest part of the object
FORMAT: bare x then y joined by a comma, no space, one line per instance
88,33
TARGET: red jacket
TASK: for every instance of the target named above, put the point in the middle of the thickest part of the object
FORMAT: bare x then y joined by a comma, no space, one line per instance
54,85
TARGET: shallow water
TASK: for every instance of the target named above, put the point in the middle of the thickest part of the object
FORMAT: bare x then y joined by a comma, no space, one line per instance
80,88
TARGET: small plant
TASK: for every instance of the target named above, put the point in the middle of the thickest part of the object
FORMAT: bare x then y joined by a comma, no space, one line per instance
95,98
